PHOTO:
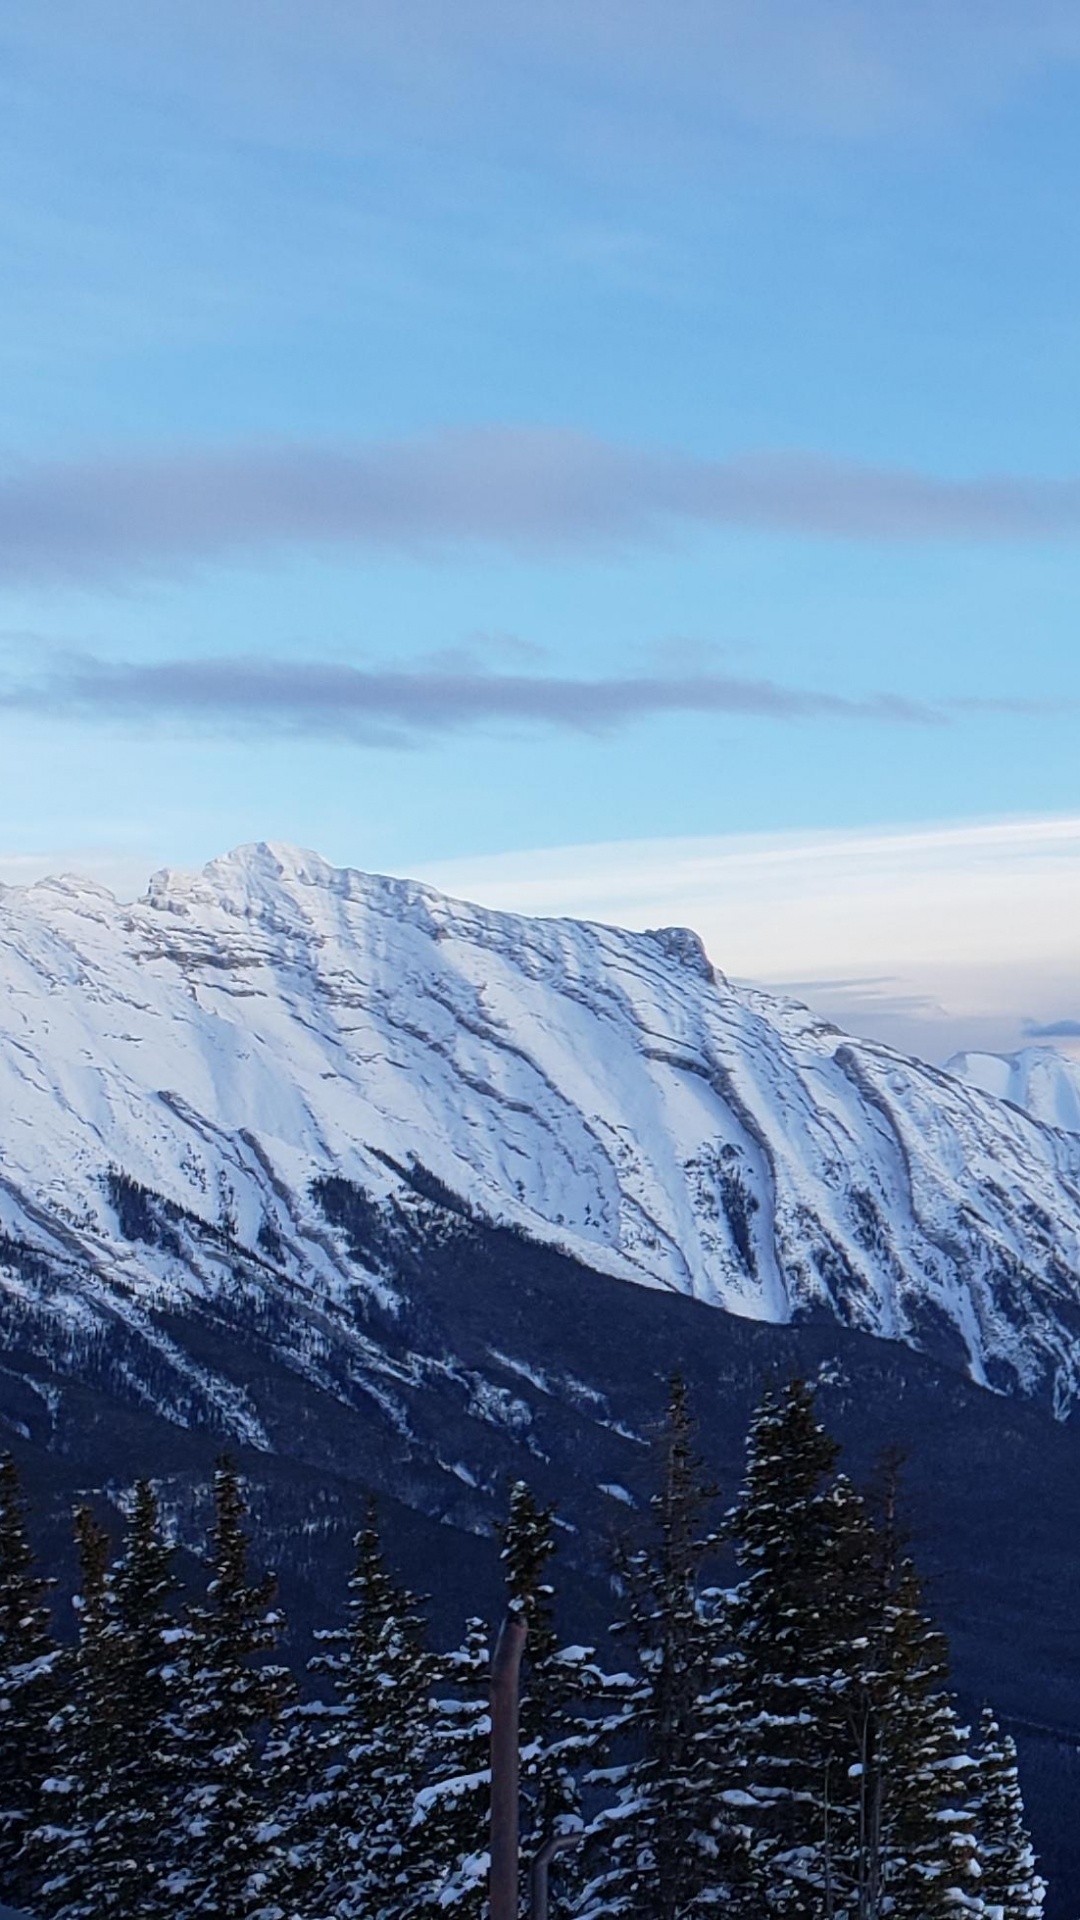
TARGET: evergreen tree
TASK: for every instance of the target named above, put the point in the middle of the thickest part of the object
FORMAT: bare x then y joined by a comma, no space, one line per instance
855,1773
928,1850
1011,1887
147,1644
86,1735
224,1862
112,1777
560,1737
371,1857
451,1818
28,1690
295,1831
799,1621
673,1848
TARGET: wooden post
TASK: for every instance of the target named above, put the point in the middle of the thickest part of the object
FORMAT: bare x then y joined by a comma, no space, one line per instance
505,1688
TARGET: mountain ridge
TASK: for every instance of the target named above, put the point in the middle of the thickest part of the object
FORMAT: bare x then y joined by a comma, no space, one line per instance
385,1191
247,1030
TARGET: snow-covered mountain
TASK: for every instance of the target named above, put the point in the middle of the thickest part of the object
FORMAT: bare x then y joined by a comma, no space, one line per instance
1040,1080
263,1079
391,1193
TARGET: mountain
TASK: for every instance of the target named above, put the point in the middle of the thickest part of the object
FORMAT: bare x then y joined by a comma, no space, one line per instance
1039,1080
385,1190
206,1091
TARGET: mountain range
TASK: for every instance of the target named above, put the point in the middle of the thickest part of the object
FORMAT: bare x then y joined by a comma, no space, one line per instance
385,1190
181,1077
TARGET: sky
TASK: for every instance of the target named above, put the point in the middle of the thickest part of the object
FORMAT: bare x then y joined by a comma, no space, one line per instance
604,458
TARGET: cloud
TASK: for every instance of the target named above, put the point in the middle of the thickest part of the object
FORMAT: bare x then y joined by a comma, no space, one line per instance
528,491
845,68
392,706
934,938
122,869
1052,1029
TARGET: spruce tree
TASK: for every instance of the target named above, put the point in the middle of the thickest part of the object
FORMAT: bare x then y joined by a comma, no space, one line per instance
928,1862
86,1735
224,1863
371,1856
799,1622
147,1645
296,1832
1010,1887
855,1776
672,1848
560,1736
451,1818
29,1661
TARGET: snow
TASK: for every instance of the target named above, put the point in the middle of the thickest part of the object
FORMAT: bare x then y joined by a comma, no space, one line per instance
244,1029
1040,1080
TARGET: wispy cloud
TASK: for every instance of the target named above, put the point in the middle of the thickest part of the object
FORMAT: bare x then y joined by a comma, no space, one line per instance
935,938
394,706
833,66
526,490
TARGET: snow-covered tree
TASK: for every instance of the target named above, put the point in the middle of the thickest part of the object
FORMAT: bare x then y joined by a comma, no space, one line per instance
86,1733
927,1850
1011,1887
672,1848
28,1689
113,1775
856,1778
562,1727
223,1864
794,1780
451,1817
298,1795
370,1858
147,1645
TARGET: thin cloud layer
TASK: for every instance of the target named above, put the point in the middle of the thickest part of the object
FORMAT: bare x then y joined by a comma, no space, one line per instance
523,490
395,707
832,66
935,938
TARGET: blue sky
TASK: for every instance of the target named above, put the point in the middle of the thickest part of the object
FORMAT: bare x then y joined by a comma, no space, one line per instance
439,435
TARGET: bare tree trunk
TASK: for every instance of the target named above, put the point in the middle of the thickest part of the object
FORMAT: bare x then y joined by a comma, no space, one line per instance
505,1689
538,1878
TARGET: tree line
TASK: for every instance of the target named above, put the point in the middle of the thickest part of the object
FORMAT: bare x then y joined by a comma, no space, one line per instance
784,1746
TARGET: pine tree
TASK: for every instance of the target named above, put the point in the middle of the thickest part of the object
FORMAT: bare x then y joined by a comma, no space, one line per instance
673,1848
147,1645
295,1830
451,1818
560,1736
799,1623
1011,1887
369,1856
223,1861
29,1660
928,1850
86,1734
111,1782
855,1773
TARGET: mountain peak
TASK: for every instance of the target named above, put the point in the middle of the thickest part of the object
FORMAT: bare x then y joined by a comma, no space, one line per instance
272,1022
